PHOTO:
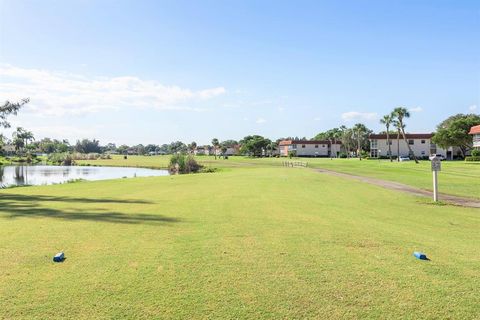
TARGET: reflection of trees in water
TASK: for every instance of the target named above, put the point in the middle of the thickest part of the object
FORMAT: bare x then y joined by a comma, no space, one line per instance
66,172
2,173
20,175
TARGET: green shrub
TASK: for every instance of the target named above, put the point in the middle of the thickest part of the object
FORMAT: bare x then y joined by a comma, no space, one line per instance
64,159
472,158
475,153
181,163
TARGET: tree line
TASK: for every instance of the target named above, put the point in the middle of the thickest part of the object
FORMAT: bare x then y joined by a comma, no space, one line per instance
354,140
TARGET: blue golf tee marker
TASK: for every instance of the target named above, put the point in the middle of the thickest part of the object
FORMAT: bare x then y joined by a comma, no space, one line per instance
59,257
420,255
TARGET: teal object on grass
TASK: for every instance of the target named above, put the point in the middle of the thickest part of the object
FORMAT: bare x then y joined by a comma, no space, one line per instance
420,255
59,257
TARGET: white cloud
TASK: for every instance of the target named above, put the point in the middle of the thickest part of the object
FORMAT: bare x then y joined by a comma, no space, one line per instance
61,93
281,109
317,119
354,115
473,108
416,109
260,120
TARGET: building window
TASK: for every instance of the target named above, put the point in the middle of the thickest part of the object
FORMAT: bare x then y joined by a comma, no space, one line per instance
316,146
323,146
303,146
294,146
423,141
423,153
373,144
411,142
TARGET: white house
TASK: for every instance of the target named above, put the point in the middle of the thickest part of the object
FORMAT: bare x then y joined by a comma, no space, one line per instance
420,143
309,148
8,149
202,150
475,131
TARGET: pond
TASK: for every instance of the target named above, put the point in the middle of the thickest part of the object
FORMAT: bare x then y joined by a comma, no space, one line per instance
44,175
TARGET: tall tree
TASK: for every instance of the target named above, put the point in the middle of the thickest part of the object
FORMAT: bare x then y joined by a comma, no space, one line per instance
332,135
387,121
396,124
359,132
215,144
10,108
401,114
453,131
347,139
192,146
21,137
254,145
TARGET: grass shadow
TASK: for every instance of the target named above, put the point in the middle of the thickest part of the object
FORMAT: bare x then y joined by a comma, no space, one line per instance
34,206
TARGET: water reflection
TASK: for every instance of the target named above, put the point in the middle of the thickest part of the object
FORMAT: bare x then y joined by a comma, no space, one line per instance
43,175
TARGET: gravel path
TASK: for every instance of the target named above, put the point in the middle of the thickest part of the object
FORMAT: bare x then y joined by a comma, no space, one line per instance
459,201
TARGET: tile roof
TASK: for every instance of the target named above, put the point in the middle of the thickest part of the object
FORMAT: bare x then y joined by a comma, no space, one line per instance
290,142
475,130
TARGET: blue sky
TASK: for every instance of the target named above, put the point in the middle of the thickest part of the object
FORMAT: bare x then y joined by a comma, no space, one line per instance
156,71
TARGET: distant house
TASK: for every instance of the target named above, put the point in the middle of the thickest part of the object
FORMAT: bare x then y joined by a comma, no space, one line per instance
202,150
309,148
475,131
8,149
231,151
132,151
420,143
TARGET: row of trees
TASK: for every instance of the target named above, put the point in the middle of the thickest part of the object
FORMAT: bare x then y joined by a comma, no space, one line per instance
396,118
354,140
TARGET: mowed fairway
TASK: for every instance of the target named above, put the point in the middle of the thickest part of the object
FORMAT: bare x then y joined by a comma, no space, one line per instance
456,178
256,242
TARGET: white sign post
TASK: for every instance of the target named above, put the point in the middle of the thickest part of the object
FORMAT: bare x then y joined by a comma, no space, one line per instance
436,166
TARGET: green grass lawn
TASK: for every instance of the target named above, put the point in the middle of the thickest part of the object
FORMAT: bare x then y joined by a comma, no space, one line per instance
456,178
254,242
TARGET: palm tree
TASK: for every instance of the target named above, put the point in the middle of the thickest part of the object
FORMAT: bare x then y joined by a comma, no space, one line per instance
332,135
337,136
192,146
387,120
346,137
272,146
18,143
396,124
28,137
215,144
359,131
400,114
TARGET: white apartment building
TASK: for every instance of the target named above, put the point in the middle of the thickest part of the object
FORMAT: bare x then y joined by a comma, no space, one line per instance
309,148
420,143
475,131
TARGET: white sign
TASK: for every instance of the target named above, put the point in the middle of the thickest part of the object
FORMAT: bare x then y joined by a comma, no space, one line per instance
436,164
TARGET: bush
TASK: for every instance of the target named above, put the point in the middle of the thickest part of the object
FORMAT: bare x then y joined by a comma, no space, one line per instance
181,163
64,159
342,155
475,153
472,158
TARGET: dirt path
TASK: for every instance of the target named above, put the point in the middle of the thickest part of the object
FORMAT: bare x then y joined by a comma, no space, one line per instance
459,201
